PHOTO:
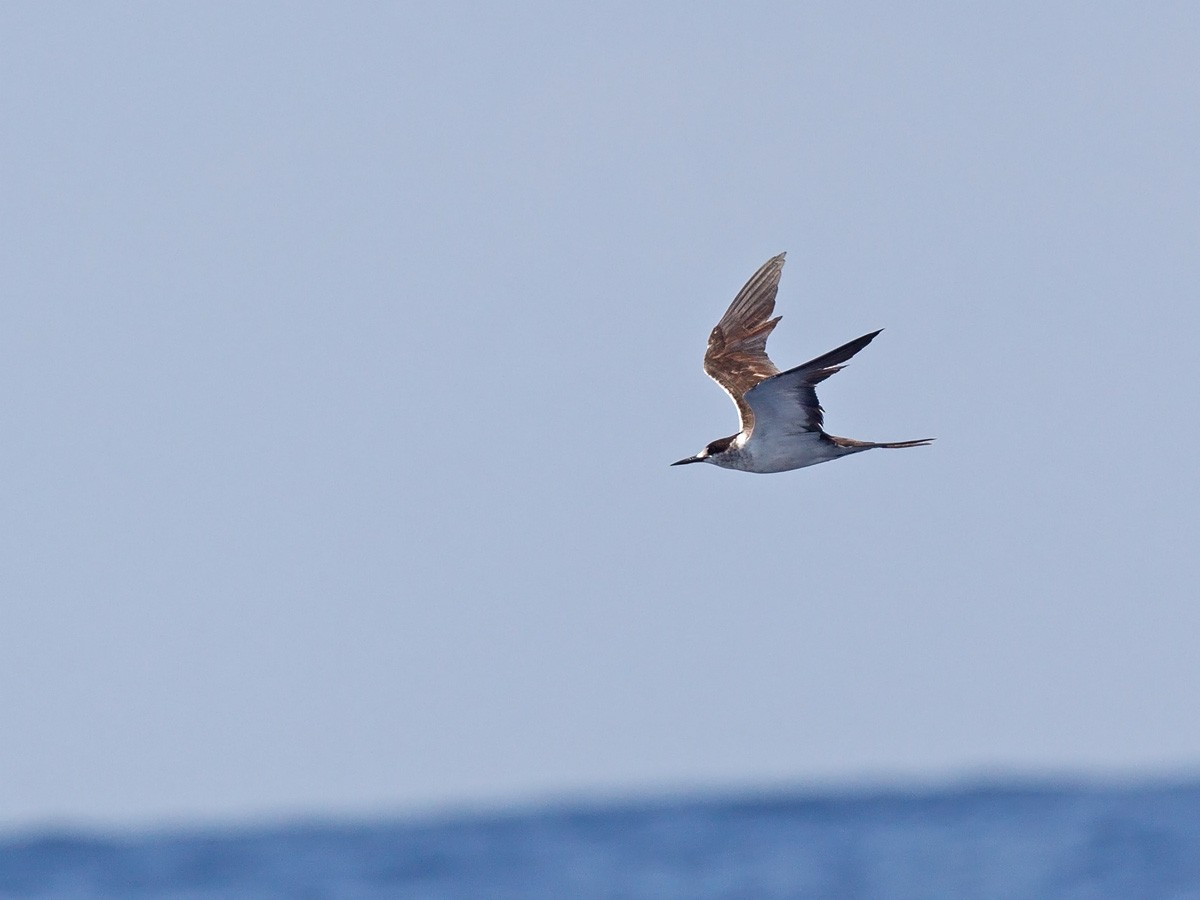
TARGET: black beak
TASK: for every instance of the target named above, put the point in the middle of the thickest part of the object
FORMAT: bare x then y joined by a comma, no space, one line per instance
684,462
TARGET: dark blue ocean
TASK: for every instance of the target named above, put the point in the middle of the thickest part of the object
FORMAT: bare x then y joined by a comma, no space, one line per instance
998,841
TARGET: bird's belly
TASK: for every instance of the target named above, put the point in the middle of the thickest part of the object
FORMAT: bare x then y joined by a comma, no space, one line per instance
793,452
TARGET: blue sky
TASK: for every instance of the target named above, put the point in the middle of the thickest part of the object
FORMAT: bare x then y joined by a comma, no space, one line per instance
343,351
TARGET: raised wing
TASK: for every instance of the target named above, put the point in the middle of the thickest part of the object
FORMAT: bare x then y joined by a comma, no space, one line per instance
786,404
736,358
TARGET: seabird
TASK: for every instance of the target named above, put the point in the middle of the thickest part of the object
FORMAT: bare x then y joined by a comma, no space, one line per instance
780,416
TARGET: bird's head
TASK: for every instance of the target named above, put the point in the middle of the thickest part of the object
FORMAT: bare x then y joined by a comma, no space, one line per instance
707,454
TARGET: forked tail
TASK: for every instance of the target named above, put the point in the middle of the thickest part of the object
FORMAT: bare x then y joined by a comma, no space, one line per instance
893,445
868,445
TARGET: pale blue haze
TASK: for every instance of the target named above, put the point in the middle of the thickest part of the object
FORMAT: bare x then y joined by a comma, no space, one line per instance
344,348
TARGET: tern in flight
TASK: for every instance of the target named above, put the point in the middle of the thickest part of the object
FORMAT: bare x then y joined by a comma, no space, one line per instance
780,415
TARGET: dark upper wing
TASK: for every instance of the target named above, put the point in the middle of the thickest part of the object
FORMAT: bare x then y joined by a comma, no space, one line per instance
736,358
787,402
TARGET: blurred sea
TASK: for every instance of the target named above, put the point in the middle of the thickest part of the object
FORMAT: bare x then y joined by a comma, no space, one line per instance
1038,841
